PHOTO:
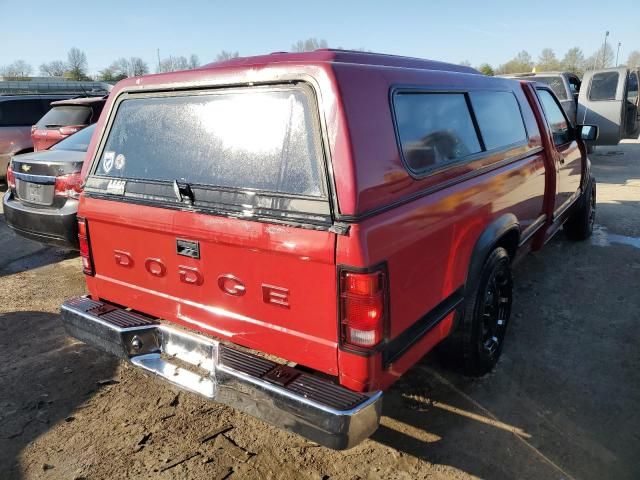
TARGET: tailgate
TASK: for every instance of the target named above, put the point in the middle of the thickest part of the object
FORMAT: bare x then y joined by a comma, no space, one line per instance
263,286
211,210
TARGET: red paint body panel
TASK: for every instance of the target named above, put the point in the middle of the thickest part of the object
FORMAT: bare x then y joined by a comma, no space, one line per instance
423,229
255,253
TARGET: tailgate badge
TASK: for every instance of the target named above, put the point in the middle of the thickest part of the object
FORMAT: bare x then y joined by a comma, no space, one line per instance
116,187
188,248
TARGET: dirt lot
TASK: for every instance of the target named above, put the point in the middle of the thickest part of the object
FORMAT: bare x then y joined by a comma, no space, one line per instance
562,402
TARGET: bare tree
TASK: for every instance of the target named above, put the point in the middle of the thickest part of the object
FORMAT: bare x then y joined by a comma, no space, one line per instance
77,61
634,59
225,55
172,64
465,63
17,69
547,61
603,58
194,61
56,68
309,45
137,67
124,68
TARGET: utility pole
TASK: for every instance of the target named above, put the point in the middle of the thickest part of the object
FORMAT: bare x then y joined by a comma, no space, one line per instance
618,53
604,50
158,60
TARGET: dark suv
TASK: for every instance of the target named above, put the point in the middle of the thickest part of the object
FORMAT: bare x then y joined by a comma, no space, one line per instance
42,199
17,114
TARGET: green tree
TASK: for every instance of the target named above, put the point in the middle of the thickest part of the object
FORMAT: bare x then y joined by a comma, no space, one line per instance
486,69
573,61
521,63
547,61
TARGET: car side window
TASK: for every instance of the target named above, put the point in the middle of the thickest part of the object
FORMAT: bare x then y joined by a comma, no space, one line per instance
558,123
604,86
19,112
434,129
499,118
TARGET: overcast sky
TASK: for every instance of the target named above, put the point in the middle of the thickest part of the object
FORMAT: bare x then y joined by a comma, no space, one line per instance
38,31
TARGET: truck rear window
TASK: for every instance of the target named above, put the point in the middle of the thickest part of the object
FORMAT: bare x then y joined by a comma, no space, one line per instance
256,138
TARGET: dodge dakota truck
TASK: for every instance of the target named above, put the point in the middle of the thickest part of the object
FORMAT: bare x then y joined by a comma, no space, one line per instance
289,234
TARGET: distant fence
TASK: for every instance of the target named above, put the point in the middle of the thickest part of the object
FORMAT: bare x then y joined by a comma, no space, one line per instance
25,87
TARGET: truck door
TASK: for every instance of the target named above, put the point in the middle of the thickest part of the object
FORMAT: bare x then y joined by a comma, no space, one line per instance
603,102
568,158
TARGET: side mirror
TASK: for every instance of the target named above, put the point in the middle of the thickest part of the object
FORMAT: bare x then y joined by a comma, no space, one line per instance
588,132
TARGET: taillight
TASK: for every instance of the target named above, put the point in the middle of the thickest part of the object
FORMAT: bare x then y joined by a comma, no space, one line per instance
69,185
85,247
11,178
363,301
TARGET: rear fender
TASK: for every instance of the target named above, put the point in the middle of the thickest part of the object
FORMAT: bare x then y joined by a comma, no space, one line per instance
496,233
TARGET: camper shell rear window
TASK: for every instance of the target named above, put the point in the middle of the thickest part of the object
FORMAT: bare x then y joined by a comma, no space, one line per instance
243,149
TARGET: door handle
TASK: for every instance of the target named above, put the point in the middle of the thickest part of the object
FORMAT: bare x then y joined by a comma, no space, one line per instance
561,160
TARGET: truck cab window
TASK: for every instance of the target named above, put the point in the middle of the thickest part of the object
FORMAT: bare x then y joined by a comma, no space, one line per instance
558,123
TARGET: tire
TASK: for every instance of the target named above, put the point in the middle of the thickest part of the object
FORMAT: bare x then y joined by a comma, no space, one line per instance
579,225
476,345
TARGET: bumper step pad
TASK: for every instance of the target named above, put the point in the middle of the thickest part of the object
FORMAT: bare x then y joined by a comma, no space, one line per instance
285,396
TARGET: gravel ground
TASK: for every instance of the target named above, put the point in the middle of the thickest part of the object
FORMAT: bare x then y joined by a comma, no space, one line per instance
562,402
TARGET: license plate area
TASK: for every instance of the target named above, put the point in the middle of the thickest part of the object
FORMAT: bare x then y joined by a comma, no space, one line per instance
37,193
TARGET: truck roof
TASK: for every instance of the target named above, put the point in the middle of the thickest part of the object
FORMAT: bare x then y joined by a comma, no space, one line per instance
343,56
533,74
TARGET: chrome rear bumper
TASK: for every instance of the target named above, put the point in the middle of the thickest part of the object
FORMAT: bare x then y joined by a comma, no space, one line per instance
289,398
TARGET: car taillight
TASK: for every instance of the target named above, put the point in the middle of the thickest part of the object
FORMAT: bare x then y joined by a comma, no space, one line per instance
11,178
85,247
69,185
363,299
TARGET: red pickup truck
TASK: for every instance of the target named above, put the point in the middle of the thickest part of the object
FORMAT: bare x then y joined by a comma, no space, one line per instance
290,233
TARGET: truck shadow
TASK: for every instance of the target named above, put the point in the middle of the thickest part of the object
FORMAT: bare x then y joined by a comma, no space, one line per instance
20,254
561,401
44,379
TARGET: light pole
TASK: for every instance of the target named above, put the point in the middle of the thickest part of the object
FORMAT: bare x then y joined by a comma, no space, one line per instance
618,53
604,50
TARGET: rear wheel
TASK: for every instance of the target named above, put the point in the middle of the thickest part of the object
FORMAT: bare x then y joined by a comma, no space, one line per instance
476,345
579,226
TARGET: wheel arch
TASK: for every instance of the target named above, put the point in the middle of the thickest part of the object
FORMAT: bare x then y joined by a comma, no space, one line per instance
504,232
